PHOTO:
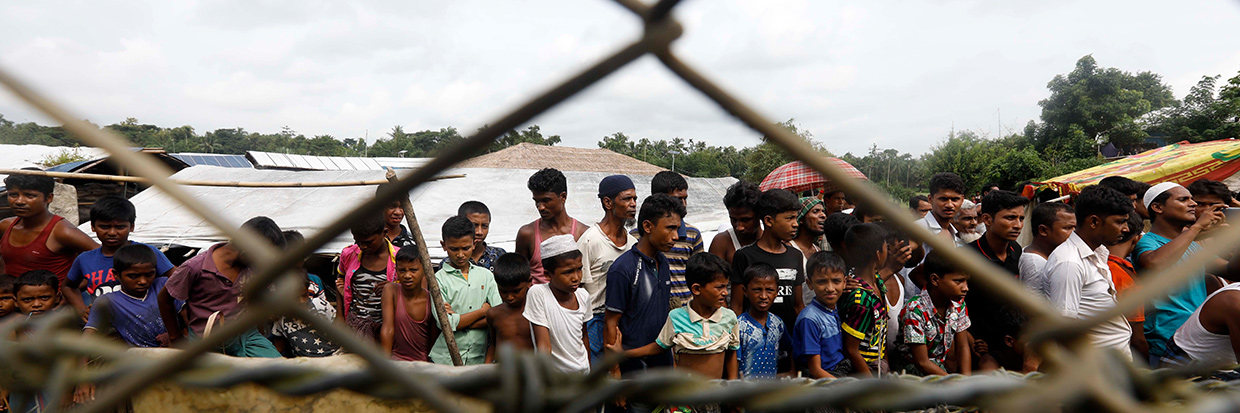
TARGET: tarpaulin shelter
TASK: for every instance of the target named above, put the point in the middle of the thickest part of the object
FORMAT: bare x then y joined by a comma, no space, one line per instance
1181,163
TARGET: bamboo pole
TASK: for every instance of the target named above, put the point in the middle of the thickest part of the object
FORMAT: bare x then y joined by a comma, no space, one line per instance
190,182
432,284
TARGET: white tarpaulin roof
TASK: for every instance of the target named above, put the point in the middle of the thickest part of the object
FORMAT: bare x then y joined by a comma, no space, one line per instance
161,220
24,156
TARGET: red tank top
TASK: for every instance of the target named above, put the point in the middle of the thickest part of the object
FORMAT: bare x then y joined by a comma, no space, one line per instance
34,256
413,338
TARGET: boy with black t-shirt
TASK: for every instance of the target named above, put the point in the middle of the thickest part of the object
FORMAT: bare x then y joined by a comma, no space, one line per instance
778,210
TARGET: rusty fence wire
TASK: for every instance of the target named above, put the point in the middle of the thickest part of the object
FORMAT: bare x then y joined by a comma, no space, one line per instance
1078,375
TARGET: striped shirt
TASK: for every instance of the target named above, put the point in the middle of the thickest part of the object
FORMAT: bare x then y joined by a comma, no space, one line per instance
688,242
863,315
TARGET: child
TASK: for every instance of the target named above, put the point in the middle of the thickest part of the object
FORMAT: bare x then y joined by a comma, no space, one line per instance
484,255
296,338
703,335
863,312
933,322
132,311
558,310
318,296
778,209
408,327
210,283
394,221
92,275
506,322
1123,275
761,334
36,292
468,290
8,302
638,305
820,347
364,268
47,241
1010,354
688,237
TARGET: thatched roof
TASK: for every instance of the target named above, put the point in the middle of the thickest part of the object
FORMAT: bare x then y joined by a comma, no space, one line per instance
531,156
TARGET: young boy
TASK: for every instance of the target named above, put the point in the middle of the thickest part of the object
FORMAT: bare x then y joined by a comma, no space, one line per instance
36,239
704,335
8,302
778,209
863,312
688,237
637,308
558,310
132,311
549,189
1124,276
408,327
506,322
820,348
742,203
761,335
365,267
935,321
210,283
484,255
92,275
1051,224
36,292
469,290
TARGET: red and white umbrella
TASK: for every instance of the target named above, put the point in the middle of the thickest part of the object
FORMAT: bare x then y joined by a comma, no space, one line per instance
799,177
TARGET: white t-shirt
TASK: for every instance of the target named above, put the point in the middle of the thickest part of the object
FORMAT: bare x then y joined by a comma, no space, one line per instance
567,349
1033,272
1079,284
597,254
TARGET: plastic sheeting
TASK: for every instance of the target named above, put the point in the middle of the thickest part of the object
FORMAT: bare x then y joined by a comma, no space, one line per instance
24,156
161,220
1181,163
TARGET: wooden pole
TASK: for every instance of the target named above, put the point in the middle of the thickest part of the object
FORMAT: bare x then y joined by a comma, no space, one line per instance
432,284
188,182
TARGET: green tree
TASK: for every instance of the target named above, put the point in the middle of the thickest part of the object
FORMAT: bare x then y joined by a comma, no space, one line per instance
1202,116
1103,103
532,134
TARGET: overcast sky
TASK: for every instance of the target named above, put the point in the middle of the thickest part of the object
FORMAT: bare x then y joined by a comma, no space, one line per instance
896,74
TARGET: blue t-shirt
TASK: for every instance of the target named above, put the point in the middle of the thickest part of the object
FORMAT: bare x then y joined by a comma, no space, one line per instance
759,351
1169,313
818,332
96,270
136,321
639,287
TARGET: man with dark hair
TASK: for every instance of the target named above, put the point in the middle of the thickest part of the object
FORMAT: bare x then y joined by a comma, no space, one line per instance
835,227
549,188
778,209
47,241
867,214
834,200
1003,213
1174,229
688,238
1209,195
920,205
484,255
210,284
601,244
946,196
989,186
636,313
1051,223
1080,283
1134,190
741,201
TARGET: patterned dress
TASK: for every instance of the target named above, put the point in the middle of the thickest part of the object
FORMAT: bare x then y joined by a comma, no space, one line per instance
920,324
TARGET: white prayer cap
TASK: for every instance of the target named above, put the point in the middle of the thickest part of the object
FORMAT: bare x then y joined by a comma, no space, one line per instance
557,245
1157,190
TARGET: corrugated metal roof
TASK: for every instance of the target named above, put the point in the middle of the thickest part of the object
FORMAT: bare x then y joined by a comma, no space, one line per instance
214,159
269,160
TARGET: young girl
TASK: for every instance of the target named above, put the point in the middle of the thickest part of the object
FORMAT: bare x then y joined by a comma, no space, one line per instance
365,268
409,330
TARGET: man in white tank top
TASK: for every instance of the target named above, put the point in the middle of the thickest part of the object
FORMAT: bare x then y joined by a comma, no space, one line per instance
1206,335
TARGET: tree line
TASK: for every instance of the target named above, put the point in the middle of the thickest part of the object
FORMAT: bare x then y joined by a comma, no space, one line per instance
1089,107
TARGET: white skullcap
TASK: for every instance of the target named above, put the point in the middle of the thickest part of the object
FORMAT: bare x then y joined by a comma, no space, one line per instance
1157,190
557,245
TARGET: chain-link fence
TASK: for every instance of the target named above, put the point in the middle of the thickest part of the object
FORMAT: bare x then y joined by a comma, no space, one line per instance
47,362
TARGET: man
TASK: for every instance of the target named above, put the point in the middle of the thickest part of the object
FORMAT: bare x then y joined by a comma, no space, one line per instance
810,229
966,224
549,188
1003,213
1209,195
601,244
1132,189
1174,229
834,200
946,195
688,239
1080,282
920,205
989,186
1051,223
741,201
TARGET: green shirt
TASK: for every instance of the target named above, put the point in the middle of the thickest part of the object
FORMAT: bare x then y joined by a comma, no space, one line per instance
464,296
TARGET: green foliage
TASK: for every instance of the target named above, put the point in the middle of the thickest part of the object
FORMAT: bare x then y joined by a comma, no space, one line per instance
1103,104
531,134
1202,116
63,156
693,158
766,156
899,174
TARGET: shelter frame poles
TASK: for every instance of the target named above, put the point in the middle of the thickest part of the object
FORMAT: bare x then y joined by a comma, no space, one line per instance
432,284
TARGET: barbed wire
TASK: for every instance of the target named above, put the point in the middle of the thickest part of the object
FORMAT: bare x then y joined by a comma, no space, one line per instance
47,359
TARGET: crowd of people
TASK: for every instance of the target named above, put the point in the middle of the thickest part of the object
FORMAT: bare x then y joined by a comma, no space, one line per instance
809,286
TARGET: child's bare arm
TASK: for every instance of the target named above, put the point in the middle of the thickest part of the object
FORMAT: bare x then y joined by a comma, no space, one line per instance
921,358
814,367
387,333
731,366
168,312
852,350
964,357
542,338
74,297
491,341
738,298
